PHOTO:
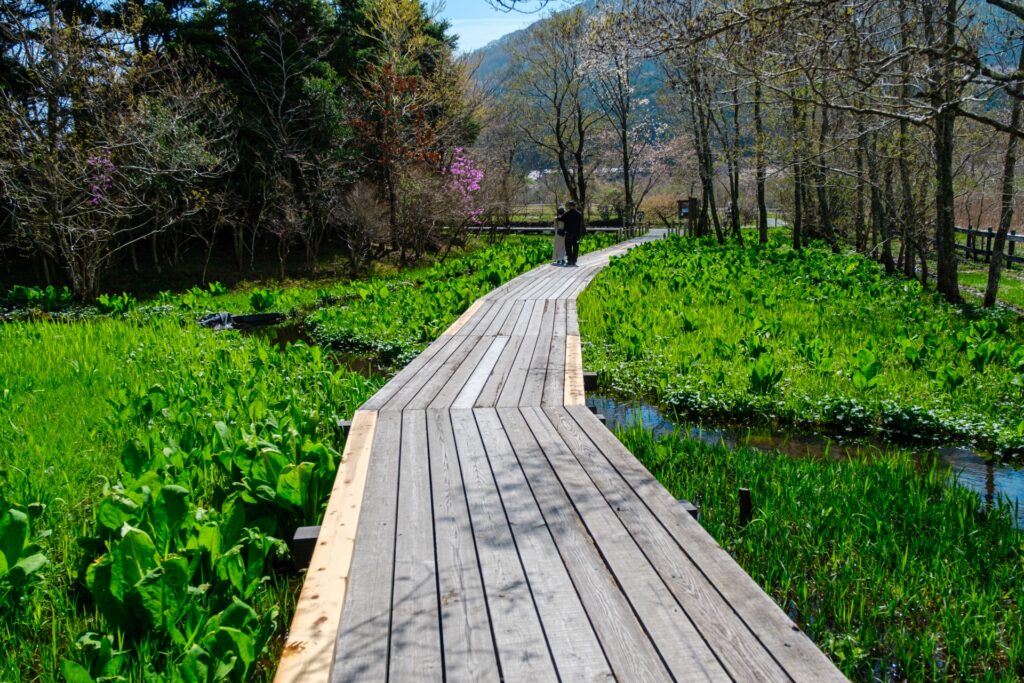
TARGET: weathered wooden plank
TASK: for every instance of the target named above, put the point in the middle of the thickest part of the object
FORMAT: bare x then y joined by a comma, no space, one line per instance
509,327
496,380
409,372
554,379
484,317
536,373
793,650
475,384
469,649
453,388
512,389
309,651
449,378
518,633
415,620
573,643
626,645
669,627
434,373
364,637
735,645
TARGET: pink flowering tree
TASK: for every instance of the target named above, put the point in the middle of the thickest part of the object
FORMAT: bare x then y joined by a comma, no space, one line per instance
464,179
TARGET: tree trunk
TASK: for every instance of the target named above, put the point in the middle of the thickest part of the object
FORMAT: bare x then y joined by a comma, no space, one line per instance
946,280
879,220
798,192
155,253
821,184
995,267
859,233
762,208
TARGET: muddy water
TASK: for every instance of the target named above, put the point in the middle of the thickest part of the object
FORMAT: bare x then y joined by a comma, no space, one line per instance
991,480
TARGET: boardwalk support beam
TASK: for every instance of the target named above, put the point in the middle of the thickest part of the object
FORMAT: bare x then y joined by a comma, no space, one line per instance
589,381
746,507
303,544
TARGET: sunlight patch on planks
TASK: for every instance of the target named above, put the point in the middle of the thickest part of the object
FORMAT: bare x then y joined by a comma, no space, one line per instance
309,652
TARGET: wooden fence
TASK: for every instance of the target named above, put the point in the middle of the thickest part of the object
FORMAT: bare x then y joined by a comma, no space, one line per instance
978,245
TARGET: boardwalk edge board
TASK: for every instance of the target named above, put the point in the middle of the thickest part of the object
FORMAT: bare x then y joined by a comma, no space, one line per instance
508,534
309,650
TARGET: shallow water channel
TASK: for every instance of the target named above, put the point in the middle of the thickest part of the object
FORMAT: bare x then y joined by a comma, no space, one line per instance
991,480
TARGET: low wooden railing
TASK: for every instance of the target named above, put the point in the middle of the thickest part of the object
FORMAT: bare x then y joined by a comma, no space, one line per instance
979,245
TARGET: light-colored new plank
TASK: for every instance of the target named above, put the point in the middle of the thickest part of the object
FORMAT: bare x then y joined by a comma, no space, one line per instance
574,394
309,651
461,321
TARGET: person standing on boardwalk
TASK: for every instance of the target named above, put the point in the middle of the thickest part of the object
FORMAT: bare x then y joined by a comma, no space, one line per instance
559,257
573,220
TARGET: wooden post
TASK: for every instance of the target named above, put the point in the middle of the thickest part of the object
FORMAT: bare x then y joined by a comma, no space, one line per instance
589,381
1009,250
746,507
692,509
303,544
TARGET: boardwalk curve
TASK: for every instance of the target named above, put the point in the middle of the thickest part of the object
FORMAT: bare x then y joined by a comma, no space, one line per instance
486,526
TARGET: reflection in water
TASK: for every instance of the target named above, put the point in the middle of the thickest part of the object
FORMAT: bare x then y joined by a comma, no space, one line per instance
989,479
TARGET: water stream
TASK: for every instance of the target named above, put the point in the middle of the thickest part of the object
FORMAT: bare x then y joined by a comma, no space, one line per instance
990,479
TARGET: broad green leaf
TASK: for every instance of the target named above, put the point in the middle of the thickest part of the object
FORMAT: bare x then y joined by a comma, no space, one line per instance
73,672
13,536
164,589
293,484
133,556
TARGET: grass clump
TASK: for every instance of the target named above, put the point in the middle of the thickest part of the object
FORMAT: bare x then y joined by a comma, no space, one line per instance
895,574
808,339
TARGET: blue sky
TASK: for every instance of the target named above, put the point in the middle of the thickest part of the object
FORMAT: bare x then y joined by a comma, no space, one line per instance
477,23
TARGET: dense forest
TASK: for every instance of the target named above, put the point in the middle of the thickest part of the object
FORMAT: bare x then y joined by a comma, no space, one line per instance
137,131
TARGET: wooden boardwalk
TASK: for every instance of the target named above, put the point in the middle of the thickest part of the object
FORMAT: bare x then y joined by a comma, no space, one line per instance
486,526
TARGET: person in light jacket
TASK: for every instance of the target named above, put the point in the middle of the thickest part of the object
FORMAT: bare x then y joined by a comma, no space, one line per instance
559,255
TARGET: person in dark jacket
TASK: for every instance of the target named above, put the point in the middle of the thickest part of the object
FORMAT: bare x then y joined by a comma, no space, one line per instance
573,221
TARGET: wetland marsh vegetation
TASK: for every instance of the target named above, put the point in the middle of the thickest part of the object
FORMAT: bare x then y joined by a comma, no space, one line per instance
151,471
894,571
